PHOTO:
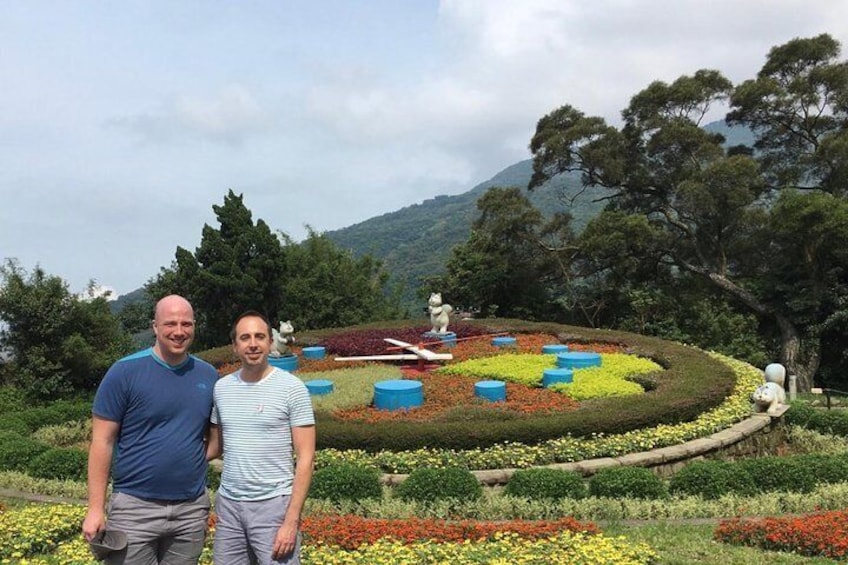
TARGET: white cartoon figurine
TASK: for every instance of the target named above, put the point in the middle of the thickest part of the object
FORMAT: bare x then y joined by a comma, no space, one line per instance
283,338
439,313
770,396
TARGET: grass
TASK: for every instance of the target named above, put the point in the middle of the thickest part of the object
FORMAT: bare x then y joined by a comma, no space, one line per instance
685,544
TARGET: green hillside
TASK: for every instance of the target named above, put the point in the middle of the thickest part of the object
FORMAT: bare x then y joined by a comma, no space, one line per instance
414,242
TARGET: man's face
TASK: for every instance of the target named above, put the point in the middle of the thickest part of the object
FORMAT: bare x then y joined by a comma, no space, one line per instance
174,329
252,341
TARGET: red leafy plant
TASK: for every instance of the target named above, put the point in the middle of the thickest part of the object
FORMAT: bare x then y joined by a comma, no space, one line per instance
823,534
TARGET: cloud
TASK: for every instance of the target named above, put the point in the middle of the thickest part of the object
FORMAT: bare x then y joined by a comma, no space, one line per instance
230,116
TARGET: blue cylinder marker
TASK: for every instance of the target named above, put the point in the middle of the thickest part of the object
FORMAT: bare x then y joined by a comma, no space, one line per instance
319,387
288,363
494,391
556,376
316,352
578,359
398,394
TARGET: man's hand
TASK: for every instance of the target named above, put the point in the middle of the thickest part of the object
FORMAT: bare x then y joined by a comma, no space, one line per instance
94,521
285,541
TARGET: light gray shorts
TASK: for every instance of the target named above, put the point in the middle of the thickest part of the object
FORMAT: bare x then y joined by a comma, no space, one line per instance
245,531
158,532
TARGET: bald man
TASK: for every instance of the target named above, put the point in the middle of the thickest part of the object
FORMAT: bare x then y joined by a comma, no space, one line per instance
149,421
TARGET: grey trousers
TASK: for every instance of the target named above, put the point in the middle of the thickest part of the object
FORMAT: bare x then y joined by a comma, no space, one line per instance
158,532
245,531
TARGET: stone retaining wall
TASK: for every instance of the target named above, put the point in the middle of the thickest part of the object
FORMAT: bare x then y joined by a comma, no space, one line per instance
756,436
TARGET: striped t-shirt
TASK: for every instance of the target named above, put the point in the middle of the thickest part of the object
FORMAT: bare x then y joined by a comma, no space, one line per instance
256,420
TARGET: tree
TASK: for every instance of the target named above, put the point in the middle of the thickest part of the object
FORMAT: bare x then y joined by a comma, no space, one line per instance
327,286
60,343
507,265
237,267
711,212
245,266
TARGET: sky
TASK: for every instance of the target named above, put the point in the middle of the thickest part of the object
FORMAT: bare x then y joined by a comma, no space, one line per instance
123,123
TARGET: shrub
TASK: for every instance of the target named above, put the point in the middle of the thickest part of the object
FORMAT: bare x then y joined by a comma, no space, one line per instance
786,474
345,481
826,421
11,423
427,484
16,453
541,484
827,469
627,482
712,479
61,464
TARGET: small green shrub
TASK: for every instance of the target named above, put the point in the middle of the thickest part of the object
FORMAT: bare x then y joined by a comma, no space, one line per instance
68,434
345,481
627,482
826,421
712,479
427,484
826,469
61,464
12,423
545,484
16,453
785,474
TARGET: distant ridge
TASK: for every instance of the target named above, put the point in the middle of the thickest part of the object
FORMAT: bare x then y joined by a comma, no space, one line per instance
416,241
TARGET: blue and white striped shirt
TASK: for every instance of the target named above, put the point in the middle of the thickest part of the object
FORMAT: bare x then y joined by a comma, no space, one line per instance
256,420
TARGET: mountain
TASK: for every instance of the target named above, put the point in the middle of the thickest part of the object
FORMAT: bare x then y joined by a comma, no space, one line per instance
416,241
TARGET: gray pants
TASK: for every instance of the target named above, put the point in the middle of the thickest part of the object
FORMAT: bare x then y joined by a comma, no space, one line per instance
245,531
158,532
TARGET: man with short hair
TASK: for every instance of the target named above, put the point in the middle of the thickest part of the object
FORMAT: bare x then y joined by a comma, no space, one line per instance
149,421
264,425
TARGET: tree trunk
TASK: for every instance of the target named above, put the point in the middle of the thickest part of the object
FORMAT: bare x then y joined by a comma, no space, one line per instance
790,339
790,354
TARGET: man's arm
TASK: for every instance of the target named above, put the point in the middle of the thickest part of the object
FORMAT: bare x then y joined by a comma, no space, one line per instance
214,443
103,435
303,440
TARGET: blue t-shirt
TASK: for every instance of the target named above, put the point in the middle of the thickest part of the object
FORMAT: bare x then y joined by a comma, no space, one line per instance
163,412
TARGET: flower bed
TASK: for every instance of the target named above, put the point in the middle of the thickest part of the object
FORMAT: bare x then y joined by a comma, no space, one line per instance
53,531
823,534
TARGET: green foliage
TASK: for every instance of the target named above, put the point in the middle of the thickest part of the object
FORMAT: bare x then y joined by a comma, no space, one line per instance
13,424
779,474
64,435
826,421
610,379
60,343
542,484
213,477
346,482
245,266
684,206
502,268
60,464
824,469
328,287
437,484
712,479
17,452
631,482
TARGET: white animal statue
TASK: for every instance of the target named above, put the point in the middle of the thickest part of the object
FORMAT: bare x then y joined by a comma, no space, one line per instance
770,396
439,313
283,338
